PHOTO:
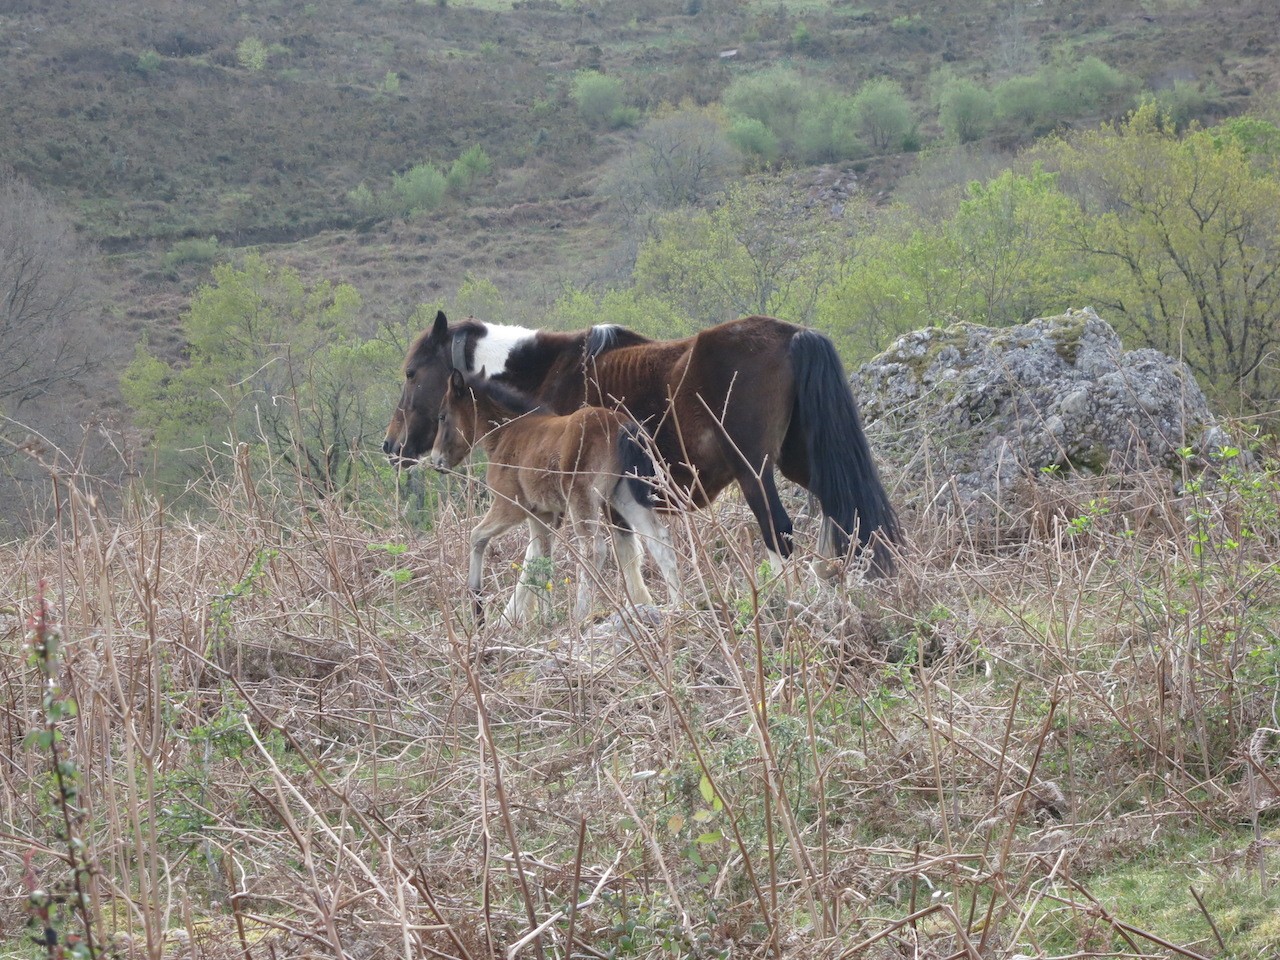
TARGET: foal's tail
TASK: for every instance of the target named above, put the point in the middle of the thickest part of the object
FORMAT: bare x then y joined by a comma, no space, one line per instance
842,473
635,463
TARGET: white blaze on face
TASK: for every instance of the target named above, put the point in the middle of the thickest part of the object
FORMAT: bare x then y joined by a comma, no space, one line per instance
496,345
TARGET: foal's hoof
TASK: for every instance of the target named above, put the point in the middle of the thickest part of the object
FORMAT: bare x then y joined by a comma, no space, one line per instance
828,570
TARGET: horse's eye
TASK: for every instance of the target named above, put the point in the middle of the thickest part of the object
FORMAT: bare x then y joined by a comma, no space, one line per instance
442,418
408,374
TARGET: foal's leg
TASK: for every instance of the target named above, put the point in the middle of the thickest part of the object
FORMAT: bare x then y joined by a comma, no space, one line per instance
586,527
630,560
656,539
502,516
524,601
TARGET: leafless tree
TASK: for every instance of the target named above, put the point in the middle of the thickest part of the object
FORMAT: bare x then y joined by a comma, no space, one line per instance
47,335
52,353
677,160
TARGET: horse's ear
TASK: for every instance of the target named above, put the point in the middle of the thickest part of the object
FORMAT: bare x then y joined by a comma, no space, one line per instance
481,375
440,329
457,383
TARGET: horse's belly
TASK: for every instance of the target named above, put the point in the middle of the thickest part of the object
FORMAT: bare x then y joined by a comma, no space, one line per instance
542,488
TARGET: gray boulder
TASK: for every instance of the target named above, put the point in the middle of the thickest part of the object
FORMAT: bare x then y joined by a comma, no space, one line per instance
981,409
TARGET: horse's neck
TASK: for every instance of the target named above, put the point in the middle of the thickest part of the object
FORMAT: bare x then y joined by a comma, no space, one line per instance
548,369
487,429
493,350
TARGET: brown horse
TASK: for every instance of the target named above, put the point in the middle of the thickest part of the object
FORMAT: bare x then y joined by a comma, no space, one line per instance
543,467
728,405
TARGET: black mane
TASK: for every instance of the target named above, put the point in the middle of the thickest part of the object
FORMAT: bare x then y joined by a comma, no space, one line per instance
609,336
513,401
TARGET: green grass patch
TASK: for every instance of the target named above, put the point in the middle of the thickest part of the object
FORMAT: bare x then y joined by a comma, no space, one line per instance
1153,894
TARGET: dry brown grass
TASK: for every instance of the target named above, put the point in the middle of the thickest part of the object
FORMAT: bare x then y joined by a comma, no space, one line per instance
287,751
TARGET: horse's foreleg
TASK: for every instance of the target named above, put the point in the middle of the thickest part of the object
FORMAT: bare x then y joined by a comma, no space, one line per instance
524,601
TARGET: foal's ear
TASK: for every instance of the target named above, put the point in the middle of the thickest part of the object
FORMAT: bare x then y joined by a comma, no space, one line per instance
457,383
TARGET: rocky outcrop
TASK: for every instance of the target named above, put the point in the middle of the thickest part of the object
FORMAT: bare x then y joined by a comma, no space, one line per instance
983,409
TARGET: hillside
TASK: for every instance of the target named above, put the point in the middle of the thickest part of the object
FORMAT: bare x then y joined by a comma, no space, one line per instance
153,122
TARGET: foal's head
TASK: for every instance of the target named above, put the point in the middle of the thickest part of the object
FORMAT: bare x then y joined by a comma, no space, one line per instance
458,424
472,406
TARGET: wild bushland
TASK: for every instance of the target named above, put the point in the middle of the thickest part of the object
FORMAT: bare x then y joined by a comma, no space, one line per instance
1057,733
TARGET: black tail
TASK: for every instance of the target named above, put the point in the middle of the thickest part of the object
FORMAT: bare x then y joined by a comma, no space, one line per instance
635,463
842,474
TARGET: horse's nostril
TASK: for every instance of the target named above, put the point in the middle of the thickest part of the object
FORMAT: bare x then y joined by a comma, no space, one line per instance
388,446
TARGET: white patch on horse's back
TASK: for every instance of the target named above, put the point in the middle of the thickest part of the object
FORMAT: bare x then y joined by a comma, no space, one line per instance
496,345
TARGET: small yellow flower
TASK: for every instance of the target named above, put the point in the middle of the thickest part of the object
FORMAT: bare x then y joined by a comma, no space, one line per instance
550,585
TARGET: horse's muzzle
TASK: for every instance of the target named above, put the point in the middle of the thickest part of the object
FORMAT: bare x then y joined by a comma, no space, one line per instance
396,455
438,461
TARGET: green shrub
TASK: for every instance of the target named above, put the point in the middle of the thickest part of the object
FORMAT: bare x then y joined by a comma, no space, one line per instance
753,138
194,250
624,117
1026,101
1186,101
1059,91
365,202
883,113
1255,136
1091,85
597,96
149,61
252,53
468,168
966,110
775,97
419,189
827,129
480,297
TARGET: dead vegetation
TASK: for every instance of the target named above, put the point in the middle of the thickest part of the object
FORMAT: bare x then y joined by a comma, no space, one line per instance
290,741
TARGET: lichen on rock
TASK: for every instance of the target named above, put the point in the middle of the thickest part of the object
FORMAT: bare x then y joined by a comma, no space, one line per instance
983,409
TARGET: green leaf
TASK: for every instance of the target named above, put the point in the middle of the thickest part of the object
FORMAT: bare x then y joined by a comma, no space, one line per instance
706,788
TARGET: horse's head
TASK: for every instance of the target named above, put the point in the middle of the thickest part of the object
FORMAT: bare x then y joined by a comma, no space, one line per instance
412,429
458,425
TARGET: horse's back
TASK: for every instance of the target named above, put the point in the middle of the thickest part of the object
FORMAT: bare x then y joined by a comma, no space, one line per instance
587,440
543,461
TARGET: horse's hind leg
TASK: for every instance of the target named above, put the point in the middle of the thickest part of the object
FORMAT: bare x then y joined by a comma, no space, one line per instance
657,540
761,493
524,601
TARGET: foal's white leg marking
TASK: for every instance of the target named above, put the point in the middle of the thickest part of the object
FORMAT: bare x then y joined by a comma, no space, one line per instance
493,349
588,540
524,602
630,560
499,519
656,539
